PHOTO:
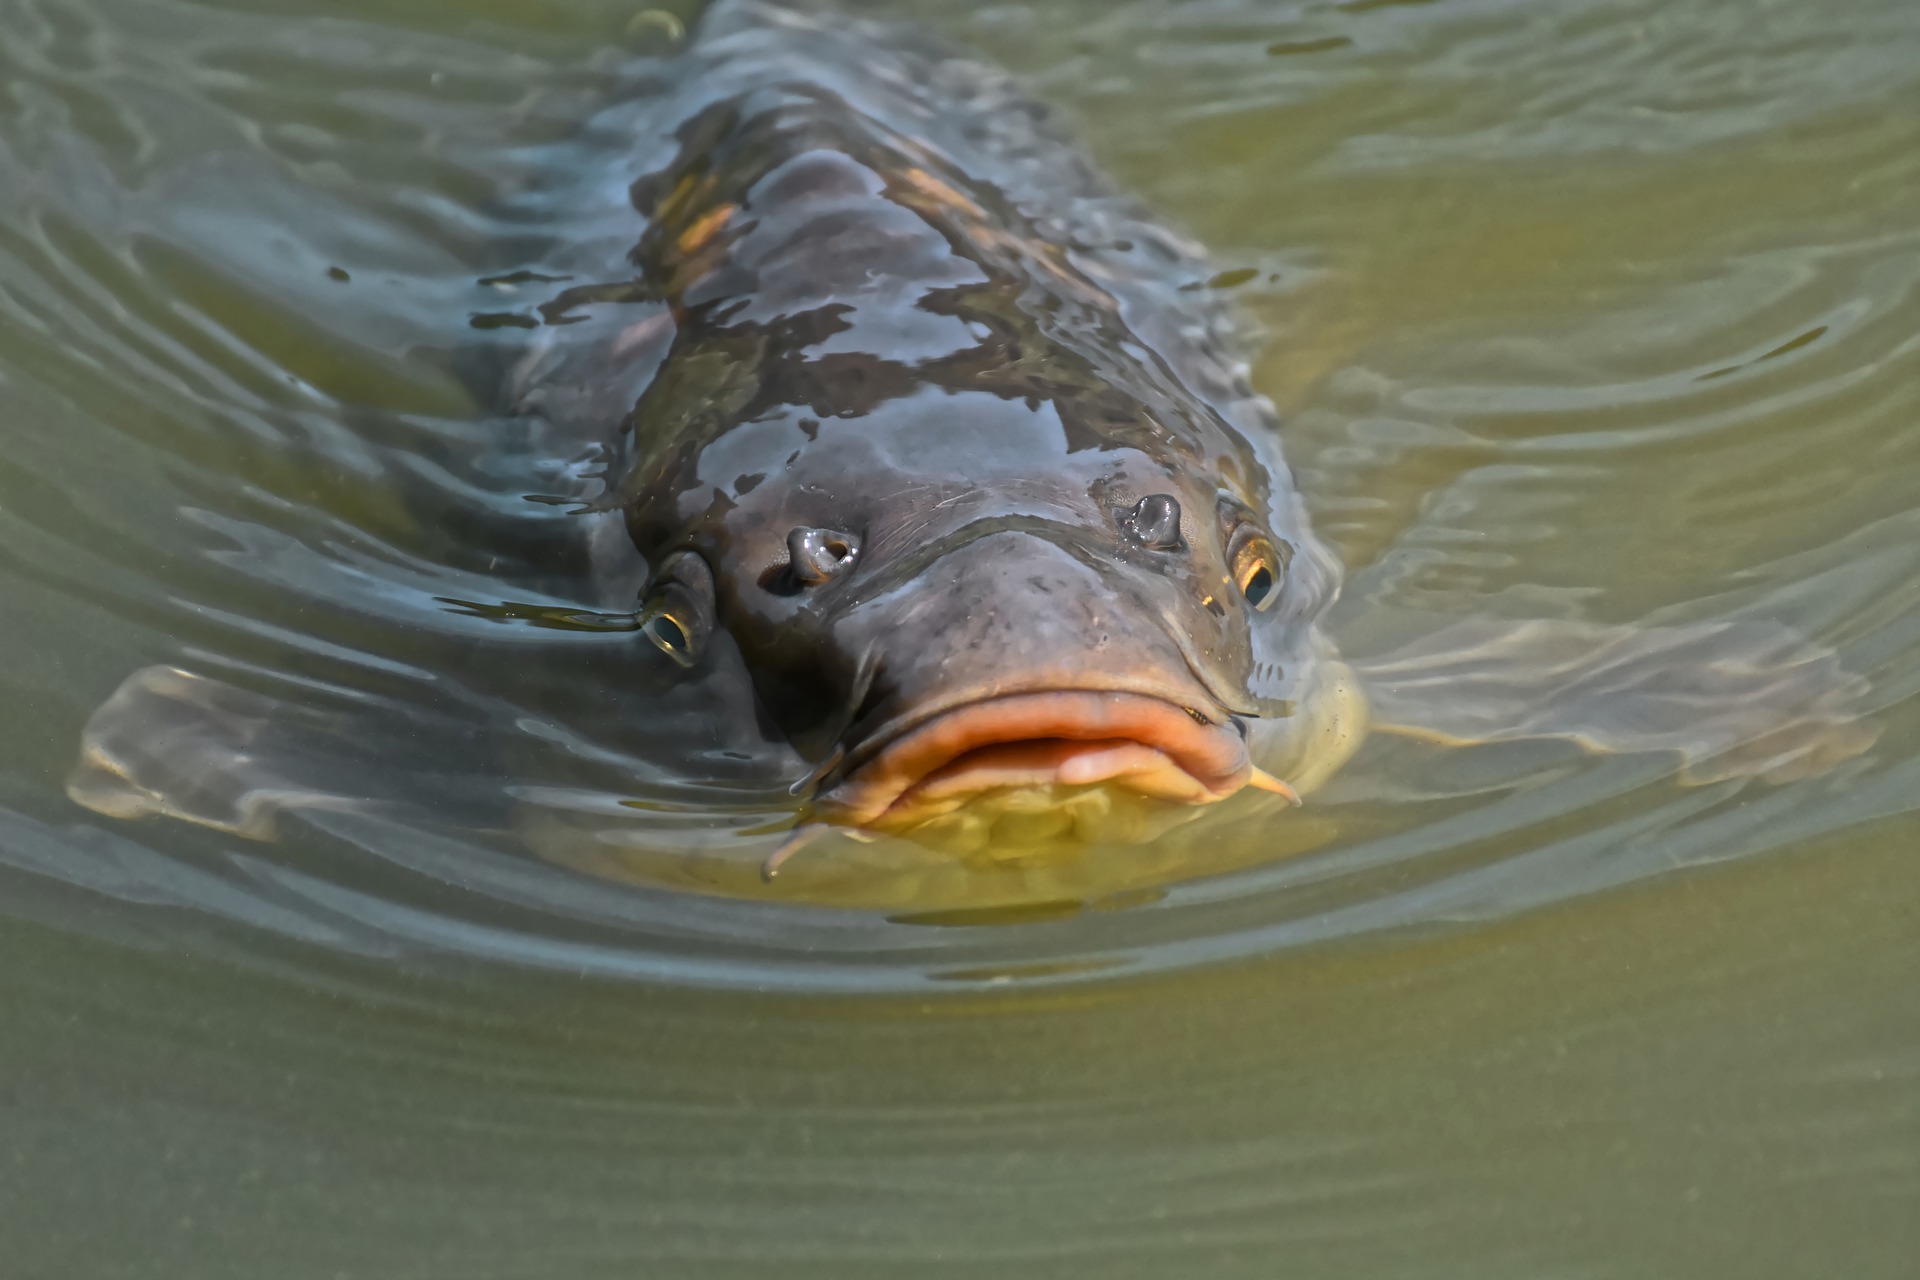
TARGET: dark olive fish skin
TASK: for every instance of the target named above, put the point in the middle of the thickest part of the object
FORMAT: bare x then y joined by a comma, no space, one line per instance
897,304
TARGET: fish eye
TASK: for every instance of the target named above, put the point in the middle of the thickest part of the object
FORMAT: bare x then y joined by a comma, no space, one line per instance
1154,522
666,631
1257,569
820,555
679,611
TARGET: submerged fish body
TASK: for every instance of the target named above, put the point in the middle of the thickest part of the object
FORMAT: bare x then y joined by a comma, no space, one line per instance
945,441
933,460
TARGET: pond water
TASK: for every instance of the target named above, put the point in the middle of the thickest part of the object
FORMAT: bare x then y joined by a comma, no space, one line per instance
1583,309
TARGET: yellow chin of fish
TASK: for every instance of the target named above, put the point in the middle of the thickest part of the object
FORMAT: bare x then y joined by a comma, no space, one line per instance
1037,824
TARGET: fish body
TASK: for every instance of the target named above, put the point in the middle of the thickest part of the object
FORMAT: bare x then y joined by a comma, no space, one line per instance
893,308
930,461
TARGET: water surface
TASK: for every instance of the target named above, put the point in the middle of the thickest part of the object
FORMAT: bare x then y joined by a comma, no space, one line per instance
1593,309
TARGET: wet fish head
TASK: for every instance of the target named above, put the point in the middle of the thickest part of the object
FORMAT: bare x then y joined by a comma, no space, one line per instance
987,625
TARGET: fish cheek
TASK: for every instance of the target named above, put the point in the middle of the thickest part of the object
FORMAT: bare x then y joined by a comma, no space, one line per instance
780,623
1272,658
800,675
1247,656
1219,644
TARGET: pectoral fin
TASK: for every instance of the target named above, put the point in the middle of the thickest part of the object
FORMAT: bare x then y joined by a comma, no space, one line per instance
173,743
1732,699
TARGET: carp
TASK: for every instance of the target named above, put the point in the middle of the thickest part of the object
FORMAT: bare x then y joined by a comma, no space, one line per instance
933,446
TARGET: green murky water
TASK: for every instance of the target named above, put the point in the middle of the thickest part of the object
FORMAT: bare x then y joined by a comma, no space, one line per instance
1602,309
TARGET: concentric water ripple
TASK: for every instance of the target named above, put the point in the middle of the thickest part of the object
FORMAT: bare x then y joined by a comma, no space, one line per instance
240,262
1593,310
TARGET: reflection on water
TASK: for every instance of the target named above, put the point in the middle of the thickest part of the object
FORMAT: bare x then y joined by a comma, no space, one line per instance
1595,310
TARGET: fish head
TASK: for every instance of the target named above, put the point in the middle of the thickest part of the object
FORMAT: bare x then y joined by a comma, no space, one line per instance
1063,642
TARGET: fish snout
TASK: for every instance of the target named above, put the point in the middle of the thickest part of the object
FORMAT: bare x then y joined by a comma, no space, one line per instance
1026,668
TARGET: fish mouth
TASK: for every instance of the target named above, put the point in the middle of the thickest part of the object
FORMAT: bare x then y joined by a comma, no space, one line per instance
1062,738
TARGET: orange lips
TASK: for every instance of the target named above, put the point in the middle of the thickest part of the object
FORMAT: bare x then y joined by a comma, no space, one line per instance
1059,737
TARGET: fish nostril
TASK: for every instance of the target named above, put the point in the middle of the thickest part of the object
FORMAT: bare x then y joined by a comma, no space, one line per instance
820,555
1154,522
